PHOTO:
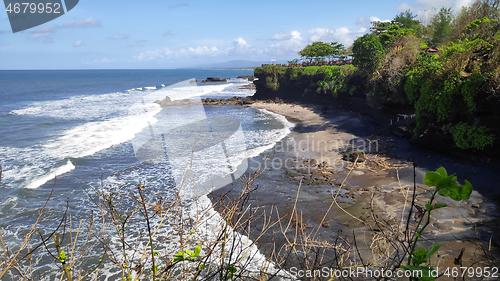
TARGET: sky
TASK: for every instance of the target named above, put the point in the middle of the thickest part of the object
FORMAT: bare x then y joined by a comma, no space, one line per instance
167,34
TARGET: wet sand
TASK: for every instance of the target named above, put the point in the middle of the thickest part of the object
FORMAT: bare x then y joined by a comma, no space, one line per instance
306,169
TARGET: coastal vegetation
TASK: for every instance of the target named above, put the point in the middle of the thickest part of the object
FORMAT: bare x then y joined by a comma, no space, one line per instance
445,67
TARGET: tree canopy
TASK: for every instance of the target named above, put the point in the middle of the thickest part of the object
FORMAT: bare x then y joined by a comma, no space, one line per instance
368,52
321,49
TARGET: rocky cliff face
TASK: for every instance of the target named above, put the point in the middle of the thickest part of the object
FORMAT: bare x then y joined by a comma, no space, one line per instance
303,89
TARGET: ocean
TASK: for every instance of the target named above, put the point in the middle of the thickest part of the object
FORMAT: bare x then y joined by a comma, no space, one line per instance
77,129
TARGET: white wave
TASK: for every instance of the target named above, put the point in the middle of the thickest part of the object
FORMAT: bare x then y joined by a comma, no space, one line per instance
51,175
280,118
78,107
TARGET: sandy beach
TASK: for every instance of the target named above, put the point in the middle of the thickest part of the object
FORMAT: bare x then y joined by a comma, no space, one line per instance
300,178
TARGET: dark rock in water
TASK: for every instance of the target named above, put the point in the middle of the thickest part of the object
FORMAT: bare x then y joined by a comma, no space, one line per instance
249,77
214,80
232,101
351,156
168,102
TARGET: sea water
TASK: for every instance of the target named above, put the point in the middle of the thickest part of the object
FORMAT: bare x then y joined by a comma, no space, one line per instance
76,129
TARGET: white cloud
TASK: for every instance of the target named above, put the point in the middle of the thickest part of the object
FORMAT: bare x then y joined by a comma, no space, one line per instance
367,22
240,42
373,18
183,53
362,21
119,37
88,22
342,35
281,36
427,5
78,43
289,44
167,33
44,33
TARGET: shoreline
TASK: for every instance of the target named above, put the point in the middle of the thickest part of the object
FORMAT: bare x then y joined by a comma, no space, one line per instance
314,151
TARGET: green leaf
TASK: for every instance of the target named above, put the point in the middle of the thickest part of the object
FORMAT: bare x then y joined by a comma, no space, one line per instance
189,252
428,207
442,172
447,186
62,256
419,256
155,254
201,266
431,178
432,249
181,256
231,268
197,251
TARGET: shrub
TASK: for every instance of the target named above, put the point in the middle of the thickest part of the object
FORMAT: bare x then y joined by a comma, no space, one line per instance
467,136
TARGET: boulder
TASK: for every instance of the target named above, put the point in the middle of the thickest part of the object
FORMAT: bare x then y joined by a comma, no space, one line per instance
214,80
249,77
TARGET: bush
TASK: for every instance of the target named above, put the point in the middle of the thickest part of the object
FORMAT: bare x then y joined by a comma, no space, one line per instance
467,136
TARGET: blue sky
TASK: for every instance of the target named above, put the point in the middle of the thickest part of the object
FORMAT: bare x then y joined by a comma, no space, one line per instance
115,34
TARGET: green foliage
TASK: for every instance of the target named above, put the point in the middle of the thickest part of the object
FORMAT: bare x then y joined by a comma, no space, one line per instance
62,256
310,70
406,19
447,186
470,88
231,270
272,83
477,23
393,33
368,52
379,27
187,255
321,49
440,26
294,73
467,136
317,49
336,79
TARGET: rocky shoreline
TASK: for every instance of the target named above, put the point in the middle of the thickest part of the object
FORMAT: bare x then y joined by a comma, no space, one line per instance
383,181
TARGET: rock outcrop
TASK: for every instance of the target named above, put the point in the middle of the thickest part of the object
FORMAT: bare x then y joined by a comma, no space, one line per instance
168,102
232,101
214,80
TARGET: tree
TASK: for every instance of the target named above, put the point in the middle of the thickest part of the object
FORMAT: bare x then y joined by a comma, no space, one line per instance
379,27
406,19
317,49
440,26
368,52
338,48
